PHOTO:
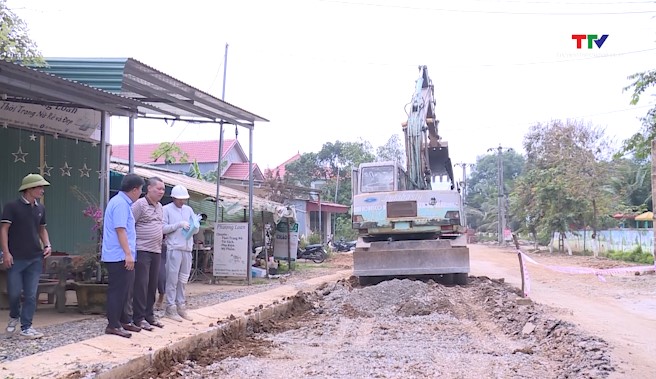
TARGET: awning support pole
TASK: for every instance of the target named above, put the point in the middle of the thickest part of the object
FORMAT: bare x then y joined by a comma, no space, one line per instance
131,146
104,172
250,200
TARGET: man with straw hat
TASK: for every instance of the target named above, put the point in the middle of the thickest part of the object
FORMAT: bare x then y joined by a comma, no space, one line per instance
25,243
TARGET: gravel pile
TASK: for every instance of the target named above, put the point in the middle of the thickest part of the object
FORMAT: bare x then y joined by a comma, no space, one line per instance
407,329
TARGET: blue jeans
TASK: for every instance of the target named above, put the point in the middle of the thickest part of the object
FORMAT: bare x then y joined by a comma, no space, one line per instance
23,276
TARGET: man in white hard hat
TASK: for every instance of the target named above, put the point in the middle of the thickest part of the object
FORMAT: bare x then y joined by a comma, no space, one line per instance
25,243
179,252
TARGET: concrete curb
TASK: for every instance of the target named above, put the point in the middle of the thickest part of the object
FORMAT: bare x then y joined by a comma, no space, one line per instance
106,357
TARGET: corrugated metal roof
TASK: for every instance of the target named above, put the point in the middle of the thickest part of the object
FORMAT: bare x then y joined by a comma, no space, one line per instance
161,94
24,84
201,151
232,199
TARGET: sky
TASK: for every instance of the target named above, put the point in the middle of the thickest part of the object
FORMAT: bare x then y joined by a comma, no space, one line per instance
328,70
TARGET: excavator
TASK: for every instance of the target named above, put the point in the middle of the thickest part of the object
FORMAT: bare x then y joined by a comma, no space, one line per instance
406,229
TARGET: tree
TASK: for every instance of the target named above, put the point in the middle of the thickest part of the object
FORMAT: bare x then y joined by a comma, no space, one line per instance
483,188
392,150
640,143
630,184
212,175
305,170
565,182
170,152
15,43
276,189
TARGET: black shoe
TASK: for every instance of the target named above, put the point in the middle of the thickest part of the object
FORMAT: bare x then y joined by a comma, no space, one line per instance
143,324
118,332
156,323
131,327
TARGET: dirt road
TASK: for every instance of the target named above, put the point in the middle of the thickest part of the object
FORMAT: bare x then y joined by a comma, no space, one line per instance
401,329
621,310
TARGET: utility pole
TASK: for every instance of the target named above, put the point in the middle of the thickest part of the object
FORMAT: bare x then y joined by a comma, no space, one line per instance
501,199
463,191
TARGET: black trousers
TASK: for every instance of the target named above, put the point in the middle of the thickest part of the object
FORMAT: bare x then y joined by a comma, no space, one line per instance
145,285
120,279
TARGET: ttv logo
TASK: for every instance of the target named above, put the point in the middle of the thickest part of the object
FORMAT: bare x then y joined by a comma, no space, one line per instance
591,38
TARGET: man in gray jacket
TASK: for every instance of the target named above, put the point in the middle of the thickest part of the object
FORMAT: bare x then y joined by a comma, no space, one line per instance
179,252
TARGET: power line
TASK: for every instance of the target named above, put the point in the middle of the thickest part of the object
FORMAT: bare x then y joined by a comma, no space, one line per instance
611,55
485,12
565,2
463,66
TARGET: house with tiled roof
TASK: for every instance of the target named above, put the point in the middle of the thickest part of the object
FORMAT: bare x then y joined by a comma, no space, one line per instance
205,153
280,169
313,213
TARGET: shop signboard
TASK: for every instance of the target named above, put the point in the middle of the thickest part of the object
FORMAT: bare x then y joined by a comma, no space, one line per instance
280,247
231,249
71,122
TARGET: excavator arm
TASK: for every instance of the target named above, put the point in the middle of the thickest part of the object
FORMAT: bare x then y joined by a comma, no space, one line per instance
427,155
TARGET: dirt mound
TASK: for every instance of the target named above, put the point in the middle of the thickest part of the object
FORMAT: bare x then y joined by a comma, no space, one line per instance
405,328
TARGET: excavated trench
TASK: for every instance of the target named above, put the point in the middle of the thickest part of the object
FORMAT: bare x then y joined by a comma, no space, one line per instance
395,329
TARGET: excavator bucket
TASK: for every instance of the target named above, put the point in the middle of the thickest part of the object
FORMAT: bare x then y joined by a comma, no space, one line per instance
439,161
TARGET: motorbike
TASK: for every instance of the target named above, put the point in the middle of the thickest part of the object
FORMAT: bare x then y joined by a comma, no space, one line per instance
316,253
342,245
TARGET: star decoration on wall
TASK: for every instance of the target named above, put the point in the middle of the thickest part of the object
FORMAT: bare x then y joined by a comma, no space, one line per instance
55,136
84,171
101,174
19,156
4,125
66,169
94,143
32,137
45,168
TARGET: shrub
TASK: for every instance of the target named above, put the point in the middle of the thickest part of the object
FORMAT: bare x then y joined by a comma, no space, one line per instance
636,255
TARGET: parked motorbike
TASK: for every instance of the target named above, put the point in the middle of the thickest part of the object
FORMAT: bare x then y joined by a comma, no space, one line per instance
316,253
342,245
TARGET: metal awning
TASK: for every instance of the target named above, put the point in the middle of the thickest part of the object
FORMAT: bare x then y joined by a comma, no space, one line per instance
231,199
161,95
28,85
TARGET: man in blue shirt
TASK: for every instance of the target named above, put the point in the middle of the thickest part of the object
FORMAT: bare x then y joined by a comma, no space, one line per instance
119,252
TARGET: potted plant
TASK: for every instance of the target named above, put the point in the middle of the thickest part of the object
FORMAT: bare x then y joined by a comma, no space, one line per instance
90,274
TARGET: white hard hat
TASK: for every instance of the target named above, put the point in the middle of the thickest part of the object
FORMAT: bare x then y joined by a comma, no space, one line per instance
179,192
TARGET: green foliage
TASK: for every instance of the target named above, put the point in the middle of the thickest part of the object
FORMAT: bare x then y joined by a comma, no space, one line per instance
636,255
210,176
194,171
640,143
392,150
170,152
344,228
15,43
565,182
630,182
276,189
333,164
314,238
305,170
483,190
311,239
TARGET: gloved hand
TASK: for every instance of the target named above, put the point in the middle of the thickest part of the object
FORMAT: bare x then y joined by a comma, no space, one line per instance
184,225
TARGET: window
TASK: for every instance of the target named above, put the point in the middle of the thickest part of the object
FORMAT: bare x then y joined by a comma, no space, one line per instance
377,179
